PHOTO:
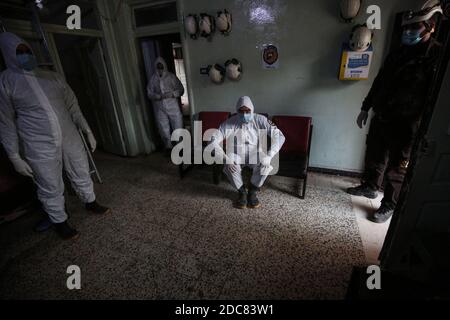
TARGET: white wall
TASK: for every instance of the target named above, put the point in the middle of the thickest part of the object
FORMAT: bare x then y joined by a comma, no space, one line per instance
309,35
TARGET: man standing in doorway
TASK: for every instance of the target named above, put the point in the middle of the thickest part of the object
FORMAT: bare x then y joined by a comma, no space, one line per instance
164,89
398,98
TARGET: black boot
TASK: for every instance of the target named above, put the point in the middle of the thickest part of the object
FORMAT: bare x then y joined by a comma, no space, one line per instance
363,190
252,200
241,202
96,208
383,213
65,231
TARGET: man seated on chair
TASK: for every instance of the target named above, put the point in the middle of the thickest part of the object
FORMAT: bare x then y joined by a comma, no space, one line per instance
246,139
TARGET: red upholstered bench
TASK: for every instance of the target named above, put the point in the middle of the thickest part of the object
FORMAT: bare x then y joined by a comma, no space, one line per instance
294,155
210,120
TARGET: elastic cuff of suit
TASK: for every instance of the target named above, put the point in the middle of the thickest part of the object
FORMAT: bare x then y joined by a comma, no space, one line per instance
14,156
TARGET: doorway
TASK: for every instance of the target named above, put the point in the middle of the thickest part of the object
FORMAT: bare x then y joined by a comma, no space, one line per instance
168,47
85,70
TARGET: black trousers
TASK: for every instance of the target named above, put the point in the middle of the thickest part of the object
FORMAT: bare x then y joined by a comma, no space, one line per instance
389,147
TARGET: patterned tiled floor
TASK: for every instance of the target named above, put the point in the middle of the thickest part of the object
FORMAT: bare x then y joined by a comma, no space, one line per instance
172,239
372,234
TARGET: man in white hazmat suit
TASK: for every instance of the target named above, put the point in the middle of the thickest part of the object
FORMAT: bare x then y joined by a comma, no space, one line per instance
39,121
164,89
244,133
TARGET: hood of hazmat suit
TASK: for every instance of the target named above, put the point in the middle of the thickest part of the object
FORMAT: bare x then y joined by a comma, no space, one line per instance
245,102
8,44
40,113
165,91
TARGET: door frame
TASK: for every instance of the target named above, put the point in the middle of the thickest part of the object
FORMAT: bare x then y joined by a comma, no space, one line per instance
100,40
161,30
153,30
186,56
165,29
25,29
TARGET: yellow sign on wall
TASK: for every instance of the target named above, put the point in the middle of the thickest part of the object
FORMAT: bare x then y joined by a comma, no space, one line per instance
355,65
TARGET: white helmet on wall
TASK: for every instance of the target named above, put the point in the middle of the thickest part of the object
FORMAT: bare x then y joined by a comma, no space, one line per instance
223,22
425,13
233,69
216,73
360,38
191,23
206,25
350,9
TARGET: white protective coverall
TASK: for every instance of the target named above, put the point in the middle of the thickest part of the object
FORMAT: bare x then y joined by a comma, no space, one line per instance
164,92
39,112
248,141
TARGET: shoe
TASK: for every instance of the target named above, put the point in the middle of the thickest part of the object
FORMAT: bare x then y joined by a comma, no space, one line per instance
363,191
95,207
383,213
65,231
241,202
252,200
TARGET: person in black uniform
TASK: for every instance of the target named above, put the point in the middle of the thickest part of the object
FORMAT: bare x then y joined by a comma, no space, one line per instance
398,98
